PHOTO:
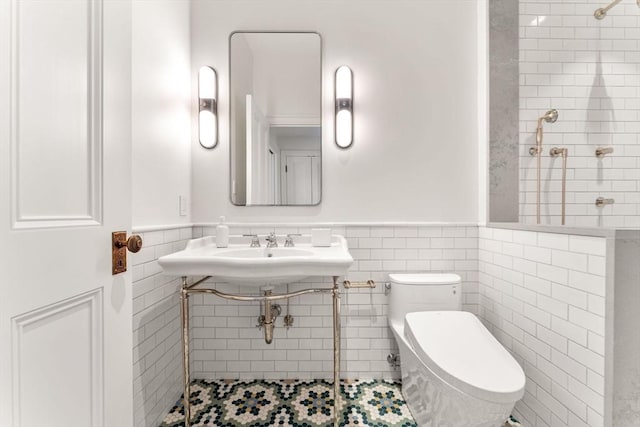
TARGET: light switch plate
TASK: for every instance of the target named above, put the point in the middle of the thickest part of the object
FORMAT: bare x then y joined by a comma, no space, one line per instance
182,201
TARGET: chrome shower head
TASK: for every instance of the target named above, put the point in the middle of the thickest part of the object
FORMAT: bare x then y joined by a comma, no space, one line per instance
551,116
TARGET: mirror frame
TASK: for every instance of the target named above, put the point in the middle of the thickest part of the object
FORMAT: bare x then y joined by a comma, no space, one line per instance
321,101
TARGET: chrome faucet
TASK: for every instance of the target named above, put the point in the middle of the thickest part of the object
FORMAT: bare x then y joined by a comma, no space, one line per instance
288,242
255,242
272,242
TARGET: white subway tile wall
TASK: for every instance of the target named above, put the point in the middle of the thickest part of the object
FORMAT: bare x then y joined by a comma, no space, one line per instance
156,327
542,295
227,343
589,70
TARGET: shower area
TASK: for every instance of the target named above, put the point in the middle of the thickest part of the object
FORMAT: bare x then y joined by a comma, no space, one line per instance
564,179
565,113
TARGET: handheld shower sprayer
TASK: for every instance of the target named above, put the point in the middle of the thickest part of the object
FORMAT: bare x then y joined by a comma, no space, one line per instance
550,117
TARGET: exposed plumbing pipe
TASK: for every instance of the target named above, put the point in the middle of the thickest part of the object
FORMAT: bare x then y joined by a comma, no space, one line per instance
288,318
271,313
564,152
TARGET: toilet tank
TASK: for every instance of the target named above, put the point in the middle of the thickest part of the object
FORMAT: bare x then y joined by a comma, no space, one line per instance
423,292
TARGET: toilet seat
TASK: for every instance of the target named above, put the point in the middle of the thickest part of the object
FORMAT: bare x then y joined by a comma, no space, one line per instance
457,347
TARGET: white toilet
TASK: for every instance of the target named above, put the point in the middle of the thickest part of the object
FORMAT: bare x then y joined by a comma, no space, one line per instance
454,372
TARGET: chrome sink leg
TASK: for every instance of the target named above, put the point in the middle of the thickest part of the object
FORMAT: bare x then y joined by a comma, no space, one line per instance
184,304
336,353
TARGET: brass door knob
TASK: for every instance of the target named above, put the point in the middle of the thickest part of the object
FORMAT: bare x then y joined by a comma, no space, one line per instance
133,243
119,245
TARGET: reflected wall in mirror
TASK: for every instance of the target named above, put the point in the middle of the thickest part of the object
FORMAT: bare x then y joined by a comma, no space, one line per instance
275,118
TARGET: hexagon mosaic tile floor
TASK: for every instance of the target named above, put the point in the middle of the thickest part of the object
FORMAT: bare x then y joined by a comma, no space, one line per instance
293,403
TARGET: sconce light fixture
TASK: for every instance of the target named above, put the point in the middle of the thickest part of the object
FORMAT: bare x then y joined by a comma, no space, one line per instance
208,107
344,107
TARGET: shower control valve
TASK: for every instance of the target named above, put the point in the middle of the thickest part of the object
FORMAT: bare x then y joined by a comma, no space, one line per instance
601,201
603,151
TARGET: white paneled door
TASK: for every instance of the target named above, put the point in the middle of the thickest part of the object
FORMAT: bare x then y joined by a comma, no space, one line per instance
65,175
301,177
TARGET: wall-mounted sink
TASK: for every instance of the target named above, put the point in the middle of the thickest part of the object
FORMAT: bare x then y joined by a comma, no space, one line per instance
253,253
239,263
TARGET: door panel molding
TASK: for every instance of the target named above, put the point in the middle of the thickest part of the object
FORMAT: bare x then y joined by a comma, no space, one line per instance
67,111
28,331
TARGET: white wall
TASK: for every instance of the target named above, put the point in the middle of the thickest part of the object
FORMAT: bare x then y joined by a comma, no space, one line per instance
626,342
161,83
287,76
415,67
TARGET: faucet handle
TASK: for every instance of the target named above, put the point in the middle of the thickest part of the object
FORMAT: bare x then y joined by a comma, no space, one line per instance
272,240
601,201
603,151
255,241
288,242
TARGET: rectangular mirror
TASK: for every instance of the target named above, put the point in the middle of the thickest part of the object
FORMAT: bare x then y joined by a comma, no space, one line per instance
275,118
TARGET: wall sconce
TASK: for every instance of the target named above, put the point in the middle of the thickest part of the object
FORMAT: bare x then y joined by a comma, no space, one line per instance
208,107
344,107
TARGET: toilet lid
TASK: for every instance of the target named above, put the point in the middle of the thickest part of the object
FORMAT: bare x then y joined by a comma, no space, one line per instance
425,278
457,347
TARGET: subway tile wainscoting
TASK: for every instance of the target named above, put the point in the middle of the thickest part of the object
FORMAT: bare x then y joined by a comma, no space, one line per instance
542,294
157,352
227,344
543,297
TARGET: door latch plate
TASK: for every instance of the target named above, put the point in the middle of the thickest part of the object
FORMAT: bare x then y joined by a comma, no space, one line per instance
118,252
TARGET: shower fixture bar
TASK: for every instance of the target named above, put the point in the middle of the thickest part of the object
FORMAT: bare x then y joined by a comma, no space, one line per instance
564,152
602,12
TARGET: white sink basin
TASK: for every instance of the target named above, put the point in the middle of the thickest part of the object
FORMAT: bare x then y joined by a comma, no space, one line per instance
263,253
239,263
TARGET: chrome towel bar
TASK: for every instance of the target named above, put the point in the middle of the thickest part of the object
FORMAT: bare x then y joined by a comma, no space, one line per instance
368,284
